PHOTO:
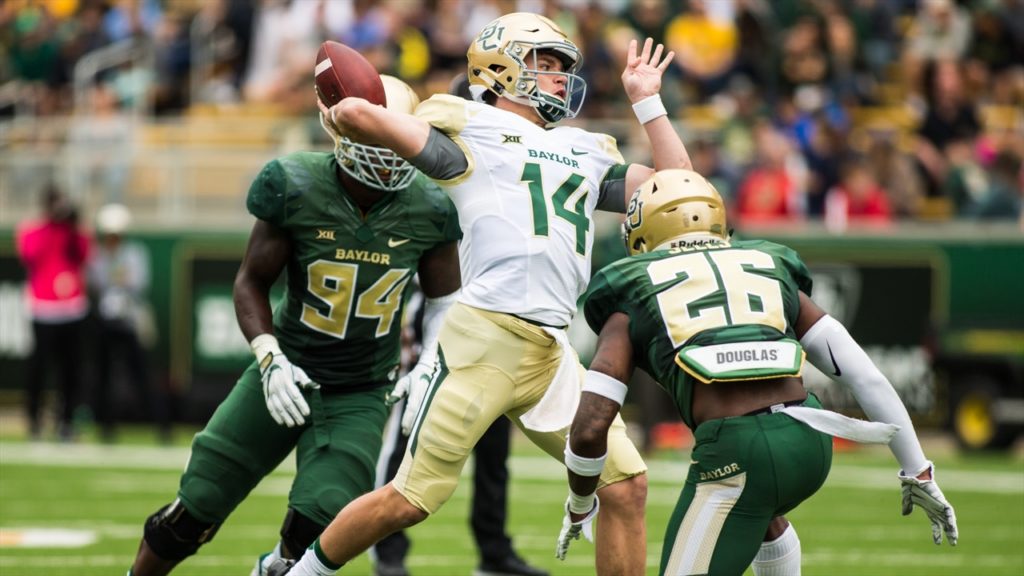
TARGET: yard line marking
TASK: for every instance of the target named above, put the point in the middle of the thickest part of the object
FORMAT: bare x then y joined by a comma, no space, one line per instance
45,538
661,472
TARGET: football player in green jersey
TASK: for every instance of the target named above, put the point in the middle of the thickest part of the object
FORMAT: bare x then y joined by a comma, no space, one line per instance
724,326
351,228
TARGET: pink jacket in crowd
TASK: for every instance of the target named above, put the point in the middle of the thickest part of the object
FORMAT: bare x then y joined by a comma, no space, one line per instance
54,256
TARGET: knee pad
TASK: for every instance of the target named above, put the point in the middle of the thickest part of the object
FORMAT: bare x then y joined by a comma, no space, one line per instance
298,533
174,534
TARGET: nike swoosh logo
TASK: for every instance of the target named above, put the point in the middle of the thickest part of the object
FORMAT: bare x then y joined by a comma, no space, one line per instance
838,372
393,243
577,152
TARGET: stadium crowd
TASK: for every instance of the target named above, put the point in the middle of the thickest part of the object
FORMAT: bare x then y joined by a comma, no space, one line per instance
868,111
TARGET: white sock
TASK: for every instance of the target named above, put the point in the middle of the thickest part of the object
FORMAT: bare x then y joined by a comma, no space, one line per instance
780,557
310,565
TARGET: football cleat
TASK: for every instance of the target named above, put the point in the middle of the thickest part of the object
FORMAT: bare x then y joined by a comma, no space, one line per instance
280,567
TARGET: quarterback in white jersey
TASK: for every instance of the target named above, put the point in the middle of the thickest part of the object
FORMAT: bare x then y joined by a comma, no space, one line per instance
525,204
525,193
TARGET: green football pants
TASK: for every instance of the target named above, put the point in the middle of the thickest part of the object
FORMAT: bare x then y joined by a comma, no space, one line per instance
335,451
744,471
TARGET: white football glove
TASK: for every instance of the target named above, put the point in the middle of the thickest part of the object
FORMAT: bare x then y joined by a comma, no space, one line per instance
283,383
414,386
928,497
571,530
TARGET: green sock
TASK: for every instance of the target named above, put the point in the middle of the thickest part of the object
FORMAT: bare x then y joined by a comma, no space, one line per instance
323,557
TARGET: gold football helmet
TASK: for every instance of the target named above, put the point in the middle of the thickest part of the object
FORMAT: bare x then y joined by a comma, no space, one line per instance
503,59
673,205
375,166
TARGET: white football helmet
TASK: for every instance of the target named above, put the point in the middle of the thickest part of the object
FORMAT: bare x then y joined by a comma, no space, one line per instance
376,166
503,59
670,206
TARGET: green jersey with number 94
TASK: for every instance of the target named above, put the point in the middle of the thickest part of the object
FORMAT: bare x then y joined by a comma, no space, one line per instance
348,275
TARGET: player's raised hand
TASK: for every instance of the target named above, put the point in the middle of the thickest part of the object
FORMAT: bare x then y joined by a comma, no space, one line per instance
926,495
642,76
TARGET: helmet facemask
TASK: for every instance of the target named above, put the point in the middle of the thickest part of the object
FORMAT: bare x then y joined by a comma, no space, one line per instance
550,107
375,166
504,59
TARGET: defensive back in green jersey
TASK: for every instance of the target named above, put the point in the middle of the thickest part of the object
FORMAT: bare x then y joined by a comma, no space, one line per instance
348,274
708,294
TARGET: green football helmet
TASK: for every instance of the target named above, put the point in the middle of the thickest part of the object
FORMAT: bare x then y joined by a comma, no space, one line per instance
673,205
503,59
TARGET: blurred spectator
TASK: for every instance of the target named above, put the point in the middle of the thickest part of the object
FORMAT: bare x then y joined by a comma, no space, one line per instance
1004,197
991,51
131,18
950,115
820,130
940,30
895,172
118,278
648,18
841,42
54,253
771,191
220,34
707,161
858,192
705,47
745,108
99,145
78,36
172,61
805,58
286,37
874,23
34,57
758,49
965,181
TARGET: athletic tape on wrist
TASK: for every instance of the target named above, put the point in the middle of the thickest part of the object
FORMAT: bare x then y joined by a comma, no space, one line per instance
264,346
580,504
583,466
649,108
604,385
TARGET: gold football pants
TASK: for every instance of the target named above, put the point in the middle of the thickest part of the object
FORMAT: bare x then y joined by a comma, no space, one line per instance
492,364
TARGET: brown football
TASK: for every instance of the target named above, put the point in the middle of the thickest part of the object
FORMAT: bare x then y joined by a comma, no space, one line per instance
342,72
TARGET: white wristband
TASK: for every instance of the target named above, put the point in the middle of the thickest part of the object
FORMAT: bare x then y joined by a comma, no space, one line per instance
604,385
649,108
580,504
264,345
583,466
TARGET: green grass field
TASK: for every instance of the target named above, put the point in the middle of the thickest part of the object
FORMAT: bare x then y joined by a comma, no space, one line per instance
97,496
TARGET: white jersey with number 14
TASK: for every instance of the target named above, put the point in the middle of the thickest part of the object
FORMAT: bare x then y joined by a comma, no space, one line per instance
525,206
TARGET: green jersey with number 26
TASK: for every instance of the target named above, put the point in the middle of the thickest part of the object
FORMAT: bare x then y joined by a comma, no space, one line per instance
722,293
348,274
